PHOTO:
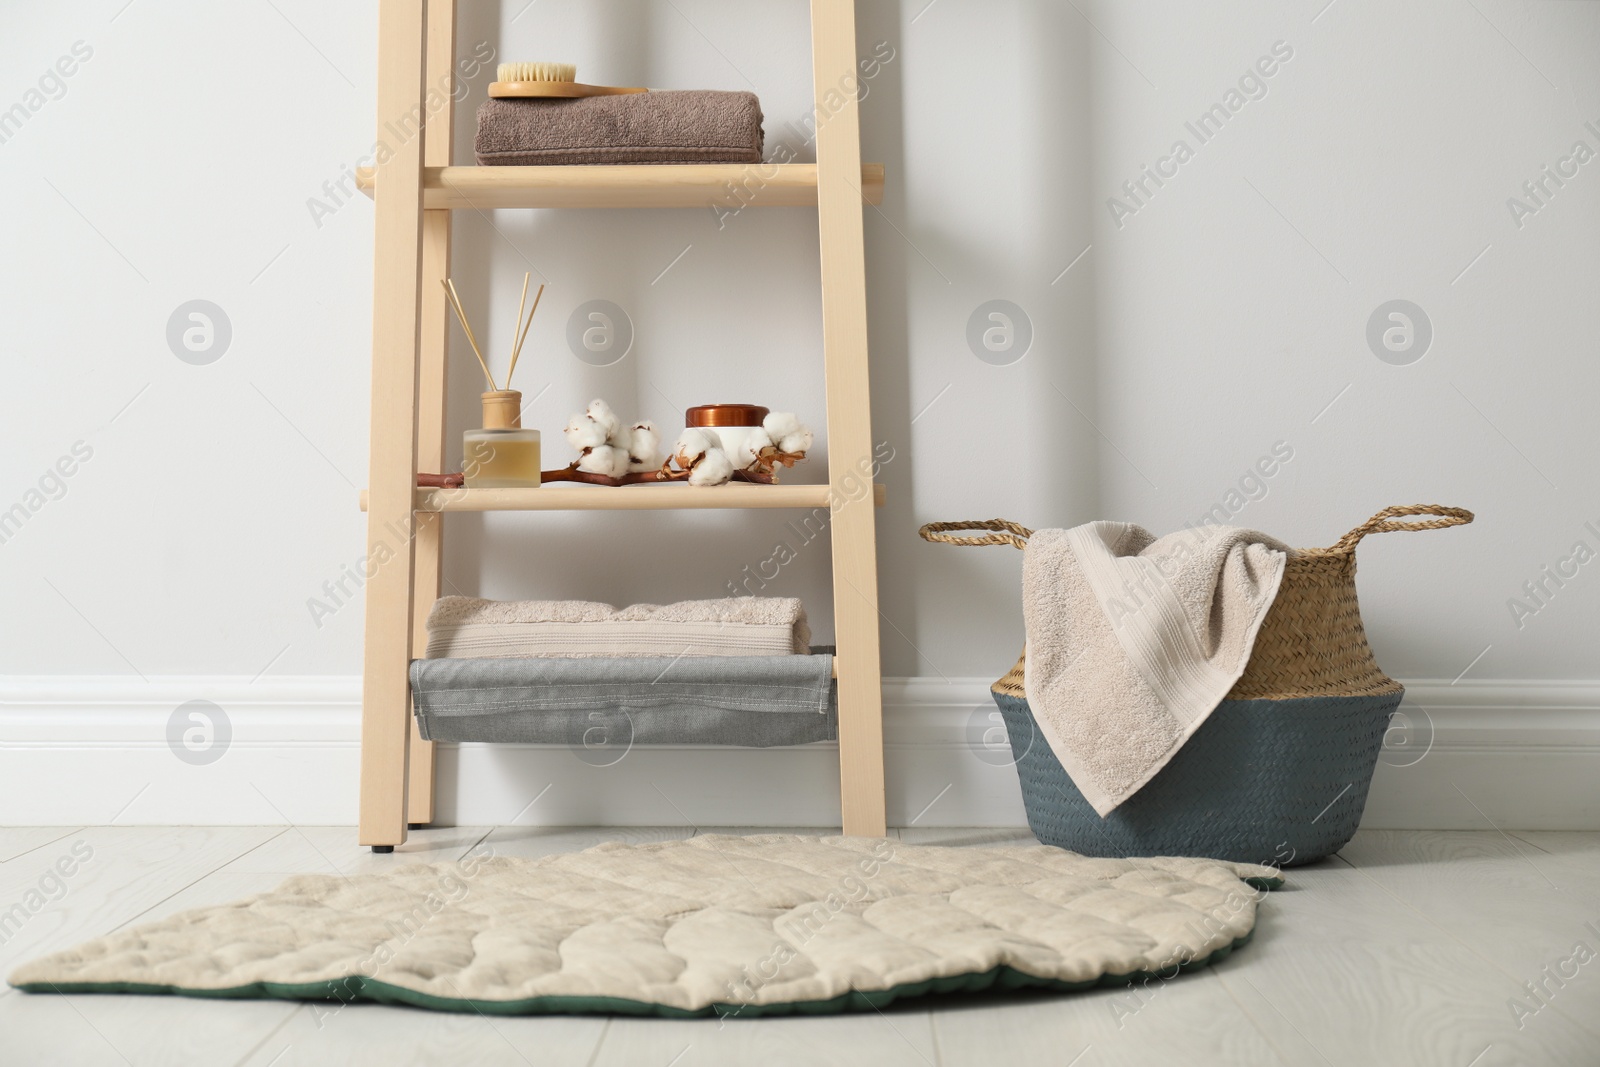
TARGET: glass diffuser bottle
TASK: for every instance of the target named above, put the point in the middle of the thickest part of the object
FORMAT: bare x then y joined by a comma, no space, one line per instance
502,455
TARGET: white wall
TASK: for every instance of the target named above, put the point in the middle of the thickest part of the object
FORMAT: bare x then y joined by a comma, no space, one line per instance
1223,316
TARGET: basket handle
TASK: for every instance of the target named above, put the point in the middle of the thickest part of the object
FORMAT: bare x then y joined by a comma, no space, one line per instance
1380,523
1006,533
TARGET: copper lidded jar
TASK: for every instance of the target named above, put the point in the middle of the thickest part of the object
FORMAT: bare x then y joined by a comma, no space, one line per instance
732,423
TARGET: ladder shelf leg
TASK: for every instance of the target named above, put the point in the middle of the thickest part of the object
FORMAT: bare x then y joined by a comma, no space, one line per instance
431,385
397,227
850,447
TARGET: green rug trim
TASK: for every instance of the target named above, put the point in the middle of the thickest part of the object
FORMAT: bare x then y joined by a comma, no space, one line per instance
355,988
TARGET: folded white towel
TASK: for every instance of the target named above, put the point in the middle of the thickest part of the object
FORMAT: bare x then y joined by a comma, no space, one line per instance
470,628
1133,641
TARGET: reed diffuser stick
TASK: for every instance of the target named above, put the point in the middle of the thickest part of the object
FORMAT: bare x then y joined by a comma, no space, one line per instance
517,324
455,302
524,335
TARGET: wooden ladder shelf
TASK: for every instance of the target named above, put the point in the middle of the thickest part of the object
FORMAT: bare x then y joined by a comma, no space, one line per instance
415,190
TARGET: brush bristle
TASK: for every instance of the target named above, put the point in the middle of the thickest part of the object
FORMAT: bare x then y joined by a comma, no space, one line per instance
537,72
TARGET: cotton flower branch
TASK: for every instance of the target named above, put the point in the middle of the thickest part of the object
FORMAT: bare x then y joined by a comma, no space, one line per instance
611,452
701,454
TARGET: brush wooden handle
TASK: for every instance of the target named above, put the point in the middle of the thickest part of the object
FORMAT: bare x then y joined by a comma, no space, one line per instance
567,90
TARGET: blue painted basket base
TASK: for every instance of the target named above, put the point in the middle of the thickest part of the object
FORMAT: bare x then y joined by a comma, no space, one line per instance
1279,782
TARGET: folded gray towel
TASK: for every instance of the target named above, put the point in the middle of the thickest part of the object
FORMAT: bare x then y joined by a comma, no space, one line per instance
602,707
698,126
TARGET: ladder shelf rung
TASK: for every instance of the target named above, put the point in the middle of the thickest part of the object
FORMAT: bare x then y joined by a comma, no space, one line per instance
720,186
627,498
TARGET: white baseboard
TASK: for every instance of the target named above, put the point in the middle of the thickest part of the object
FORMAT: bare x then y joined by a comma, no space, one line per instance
93,750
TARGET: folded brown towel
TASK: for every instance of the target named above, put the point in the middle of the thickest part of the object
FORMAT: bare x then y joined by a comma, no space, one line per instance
698,126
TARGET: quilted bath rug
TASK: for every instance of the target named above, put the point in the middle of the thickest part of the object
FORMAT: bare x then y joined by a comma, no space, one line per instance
730,926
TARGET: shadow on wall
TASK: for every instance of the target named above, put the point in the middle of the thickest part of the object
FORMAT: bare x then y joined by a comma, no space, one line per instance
1023,385
490,243
1059,79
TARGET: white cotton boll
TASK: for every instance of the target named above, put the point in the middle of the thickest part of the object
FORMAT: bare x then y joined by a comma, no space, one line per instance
583,432
644,448
596,461
605,459
714,469
780,424
798,441
750,451
622,439
601,412
692,444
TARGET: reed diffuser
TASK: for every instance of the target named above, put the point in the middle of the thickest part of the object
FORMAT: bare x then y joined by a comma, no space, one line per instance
501,455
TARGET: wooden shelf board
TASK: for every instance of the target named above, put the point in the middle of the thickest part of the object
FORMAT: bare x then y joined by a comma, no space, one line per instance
558,497
721,186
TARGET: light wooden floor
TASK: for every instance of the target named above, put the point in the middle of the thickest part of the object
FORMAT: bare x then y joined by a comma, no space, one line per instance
1410,948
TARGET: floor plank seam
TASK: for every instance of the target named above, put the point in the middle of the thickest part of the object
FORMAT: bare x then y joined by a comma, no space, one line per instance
338,870
1299,1032
259,1045
468,850
215,870
600,1040
1531,844
933,1037
901,1034
42,844
1255,1024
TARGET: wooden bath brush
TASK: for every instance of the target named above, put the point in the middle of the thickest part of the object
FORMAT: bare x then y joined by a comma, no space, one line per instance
547,80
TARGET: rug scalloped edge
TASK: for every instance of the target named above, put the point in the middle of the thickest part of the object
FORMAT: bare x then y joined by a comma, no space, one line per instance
1002,979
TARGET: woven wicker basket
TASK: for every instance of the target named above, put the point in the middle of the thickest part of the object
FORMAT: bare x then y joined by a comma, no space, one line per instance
1279,772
